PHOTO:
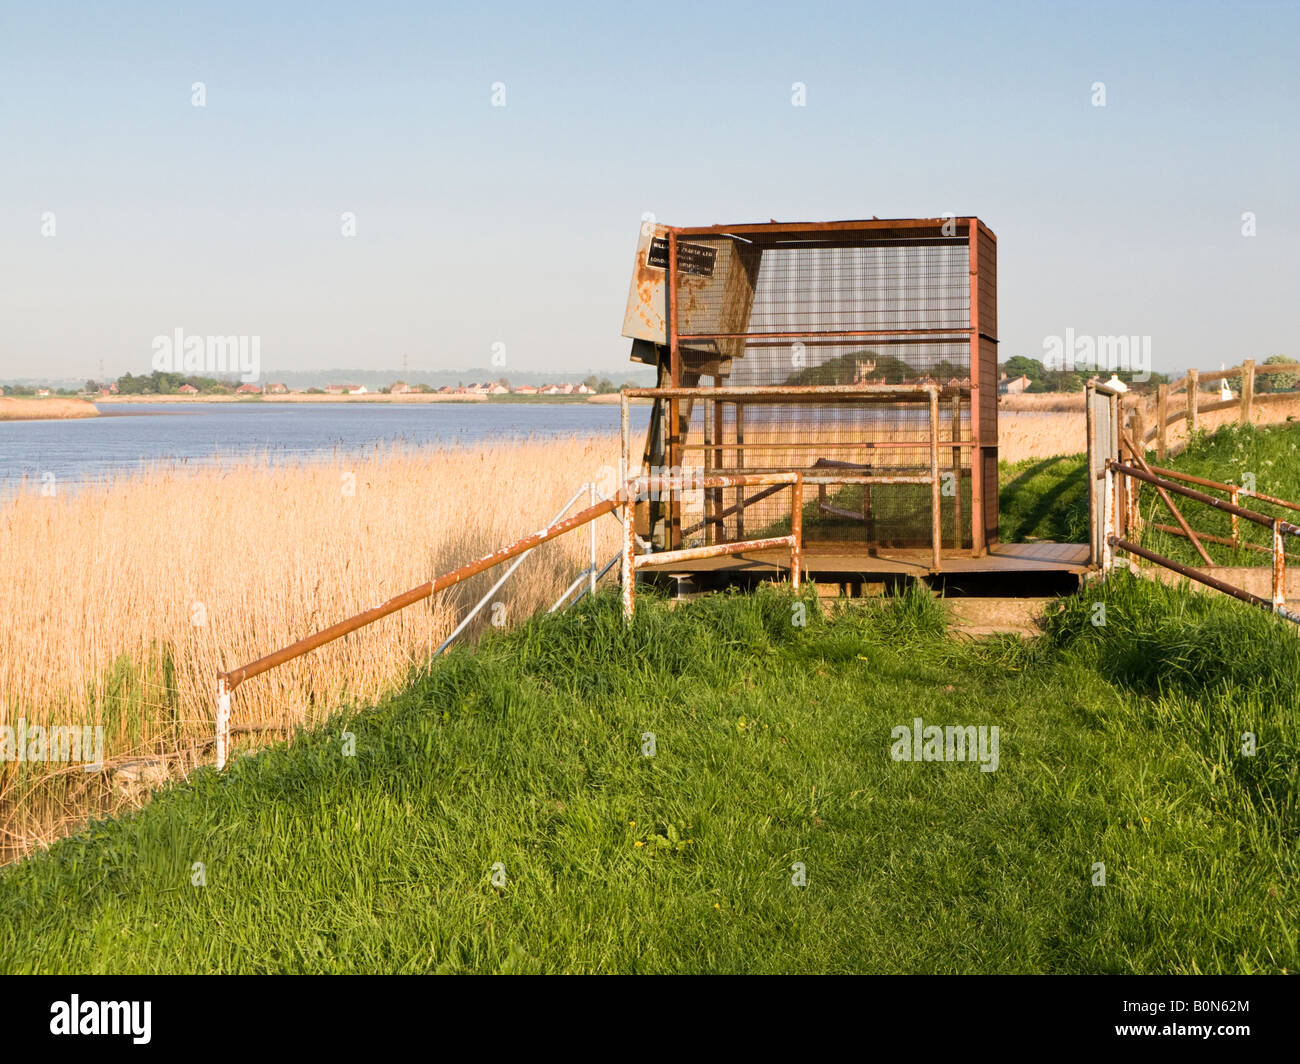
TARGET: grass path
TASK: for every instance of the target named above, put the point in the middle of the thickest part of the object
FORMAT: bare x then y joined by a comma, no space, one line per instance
1119,744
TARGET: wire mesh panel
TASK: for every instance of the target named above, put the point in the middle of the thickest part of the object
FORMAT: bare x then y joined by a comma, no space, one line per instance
834,305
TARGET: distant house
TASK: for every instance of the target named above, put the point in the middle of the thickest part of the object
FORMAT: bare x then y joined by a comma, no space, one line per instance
42,392
525,389
278,388
345,389
400,388
446,389
497,389
187,389
248,389
582,389
1012,385
549,389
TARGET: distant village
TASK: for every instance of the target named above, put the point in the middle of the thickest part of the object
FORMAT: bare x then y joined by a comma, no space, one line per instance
159,384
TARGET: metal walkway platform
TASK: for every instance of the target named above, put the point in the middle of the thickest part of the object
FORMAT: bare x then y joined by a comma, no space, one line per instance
1017,569
843,558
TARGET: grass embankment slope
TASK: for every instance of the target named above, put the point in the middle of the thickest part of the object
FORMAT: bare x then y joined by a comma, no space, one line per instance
1118,744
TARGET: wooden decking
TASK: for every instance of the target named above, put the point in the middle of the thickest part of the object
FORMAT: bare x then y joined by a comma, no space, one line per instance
843,559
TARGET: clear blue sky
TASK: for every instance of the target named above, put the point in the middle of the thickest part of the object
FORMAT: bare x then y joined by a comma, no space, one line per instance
478,224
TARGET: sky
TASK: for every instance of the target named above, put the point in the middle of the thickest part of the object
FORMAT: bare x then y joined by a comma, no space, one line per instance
127,212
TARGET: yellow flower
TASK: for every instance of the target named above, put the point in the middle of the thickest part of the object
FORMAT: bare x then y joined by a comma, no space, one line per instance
638,843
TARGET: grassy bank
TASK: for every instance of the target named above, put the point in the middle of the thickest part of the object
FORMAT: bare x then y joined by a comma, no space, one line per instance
1119,744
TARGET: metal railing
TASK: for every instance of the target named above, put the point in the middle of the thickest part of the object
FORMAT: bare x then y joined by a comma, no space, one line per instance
822,474
1113,541
624,499
644,486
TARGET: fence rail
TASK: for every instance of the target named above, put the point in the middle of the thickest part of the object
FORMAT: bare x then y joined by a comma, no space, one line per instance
1193,407
624,499
1116,471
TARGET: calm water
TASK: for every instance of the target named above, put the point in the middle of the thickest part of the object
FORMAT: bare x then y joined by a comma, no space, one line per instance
131,434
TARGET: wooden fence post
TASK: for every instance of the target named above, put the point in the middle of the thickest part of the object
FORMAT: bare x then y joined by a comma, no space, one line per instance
1247,389
1162,415
1193,400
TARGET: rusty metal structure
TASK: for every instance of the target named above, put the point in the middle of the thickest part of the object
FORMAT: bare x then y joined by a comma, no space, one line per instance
856,358
861,354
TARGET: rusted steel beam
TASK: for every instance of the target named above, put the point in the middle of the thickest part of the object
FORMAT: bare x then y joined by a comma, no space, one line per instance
920,478
1209,537
235,677
740,464
1209,500
1164,497
696,481
1203,578
674,404
978,529
936,523
960,333
1219,485
821,339
956,469
785,392
796,532
716,550
721,515
760,228
821,445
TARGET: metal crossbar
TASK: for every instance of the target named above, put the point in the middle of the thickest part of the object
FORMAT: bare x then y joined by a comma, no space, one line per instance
1279,528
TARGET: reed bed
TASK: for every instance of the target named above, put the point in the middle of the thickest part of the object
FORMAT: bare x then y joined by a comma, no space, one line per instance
124,600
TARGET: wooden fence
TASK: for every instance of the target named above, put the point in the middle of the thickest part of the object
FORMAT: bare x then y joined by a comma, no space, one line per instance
1152,425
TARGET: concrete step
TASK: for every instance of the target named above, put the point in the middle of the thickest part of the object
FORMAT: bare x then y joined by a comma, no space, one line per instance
978,617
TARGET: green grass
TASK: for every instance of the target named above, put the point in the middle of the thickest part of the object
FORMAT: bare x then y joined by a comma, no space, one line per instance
1044,498
1231,455
1047,498
1119,744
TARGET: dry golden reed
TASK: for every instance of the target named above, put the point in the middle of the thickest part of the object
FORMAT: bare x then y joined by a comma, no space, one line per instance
124,601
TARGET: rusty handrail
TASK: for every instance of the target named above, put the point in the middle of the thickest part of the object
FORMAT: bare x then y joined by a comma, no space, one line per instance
1278,527
1218,485
692,482
235,677
1203,578
231,679
1219,504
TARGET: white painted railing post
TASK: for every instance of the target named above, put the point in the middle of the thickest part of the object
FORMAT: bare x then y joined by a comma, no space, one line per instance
1108,522
1279,569
223,723
591,586
629,552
